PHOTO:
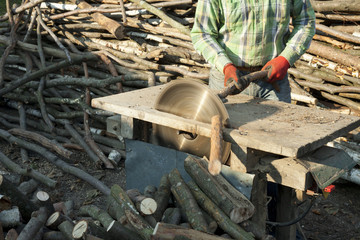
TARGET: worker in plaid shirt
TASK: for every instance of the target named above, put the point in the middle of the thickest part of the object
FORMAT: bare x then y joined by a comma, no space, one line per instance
241,36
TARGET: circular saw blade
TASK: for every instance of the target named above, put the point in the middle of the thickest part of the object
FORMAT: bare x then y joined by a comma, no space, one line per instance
191,100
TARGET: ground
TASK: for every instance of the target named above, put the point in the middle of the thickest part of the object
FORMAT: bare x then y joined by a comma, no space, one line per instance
336,217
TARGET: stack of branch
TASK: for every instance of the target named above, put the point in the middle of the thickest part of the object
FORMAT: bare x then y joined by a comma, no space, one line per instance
329,70
56,57
207,207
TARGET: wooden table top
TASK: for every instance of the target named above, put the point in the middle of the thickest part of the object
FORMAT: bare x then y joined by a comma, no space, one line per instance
271,126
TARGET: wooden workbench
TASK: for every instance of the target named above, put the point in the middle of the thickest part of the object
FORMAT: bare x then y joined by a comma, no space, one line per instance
266,126
270,126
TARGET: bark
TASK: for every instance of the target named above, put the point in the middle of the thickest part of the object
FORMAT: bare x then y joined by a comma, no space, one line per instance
214,166
187,202
343,101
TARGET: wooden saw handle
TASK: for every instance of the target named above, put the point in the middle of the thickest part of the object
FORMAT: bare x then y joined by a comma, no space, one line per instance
214,166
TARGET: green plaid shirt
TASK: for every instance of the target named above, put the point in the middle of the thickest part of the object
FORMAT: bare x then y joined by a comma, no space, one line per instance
252,32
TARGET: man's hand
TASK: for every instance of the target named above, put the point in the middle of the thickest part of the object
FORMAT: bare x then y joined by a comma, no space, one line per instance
277,68
231,74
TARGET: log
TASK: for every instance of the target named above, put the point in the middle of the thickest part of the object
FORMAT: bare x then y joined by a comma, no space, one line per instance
28,186
167,231
55,220
187,202
162,196
83,228
220,217
115,210
66,228
112,26
234,204
335,55
53,235
112,226
336,6
42,199
43,141
172,216
26,207
11,235
135,219
36,222
144,205
10,218
216,152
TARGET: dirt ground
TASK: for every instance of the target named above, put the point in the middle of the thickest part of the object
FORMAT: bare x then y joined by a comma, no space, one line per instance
337,217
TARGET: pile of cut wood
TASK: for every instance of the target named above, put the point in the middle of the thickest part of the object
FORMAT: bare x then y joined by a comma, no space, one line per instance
207,207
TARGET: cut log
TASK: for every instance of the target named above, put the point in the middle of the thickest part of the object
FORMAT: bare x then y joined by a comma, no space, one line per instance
231,201
53,235
43,199
55,220
83,228
169,231
214,166
11,235
144,205
107,221
113,27
115,210
187,202
135,219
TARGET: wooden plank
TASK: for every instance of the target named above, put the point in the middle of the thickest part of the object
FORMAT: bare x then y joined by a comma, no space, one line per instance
270,126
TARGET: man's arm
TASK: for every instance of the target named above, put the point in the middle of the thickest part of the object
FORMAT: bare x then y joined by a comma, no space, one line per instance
303,20
205,32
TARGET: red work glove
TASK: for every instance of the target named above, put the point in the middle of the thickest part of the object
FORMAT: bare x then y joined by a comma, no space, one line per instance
231,74
277,68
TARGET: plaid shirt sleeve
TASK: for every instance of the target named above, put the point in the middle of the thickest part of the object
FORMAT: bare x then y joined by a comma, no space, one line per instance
205,33
252,32
303,20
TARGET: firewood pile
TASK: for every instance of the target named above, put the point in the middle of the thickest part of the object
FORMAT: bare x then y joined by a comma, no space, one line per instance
329,70
199,209
56,57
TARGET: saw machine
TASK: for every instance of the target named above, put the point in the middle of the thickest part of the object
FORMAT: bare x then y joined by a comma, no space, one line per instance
283,141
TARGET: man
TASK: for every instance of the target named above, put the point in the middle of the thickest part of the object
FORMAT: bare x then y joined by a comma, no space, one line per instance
241,36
